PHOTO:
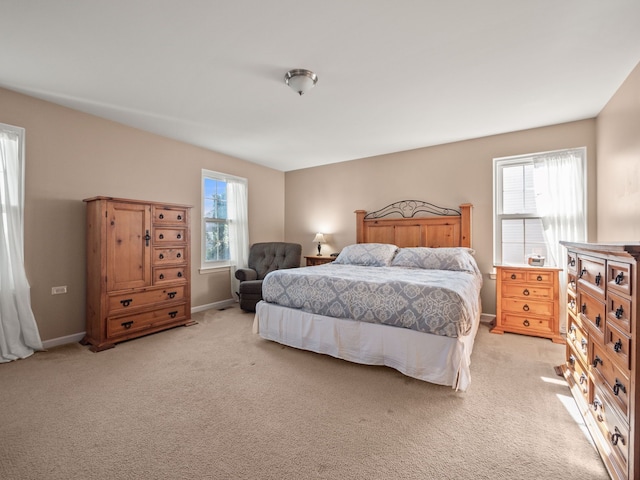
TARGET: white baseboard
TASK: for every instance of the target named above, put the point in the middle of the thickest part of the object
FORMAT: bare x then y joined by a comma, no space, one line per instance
56,342
216,305
76,337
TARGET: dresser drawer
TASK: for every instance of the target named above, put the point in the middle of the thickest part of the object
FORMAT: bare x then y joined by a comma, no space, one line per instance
578,339
591,274
169,215
527,307
592,312
122,302
572,262
169,255
619,311
144,320
611,379
619,346
527,324
618,276
614,430
169,274
579,373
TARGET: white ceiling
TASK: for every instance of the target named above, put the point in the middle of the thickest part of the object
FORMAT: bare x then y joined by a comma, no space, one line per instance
393,75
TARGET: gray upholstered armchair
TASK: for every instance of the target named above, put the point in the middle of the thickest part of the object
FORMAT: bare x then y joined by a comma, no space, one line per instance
264,258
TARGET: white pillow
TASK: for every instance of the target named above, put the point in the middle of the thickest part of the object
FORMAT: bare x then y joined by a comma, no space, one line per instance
367,254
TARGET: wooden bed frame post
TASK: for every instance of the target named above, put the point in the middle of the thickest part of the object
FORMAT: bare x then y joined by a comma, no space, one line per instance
465,227
360,225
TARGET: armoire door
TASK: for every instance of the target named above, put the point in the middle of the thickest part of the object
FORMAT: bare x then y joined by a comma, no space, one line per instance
128,245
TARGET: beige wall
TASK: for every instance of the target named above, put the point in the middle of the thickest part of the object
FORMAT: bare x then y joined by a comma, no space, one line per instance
323,199
71,156
618,132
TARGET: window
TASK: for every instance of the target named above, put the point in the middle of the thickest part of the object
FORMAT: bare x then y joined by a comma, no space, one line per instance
539,199
224,219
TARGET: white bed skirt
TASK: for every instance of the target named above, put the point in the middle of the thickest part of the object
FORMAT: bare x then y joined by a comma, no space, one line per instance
432,358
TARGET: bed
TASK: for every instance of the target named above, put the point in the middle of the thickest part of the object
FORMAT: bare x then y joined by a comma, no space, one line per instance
405,295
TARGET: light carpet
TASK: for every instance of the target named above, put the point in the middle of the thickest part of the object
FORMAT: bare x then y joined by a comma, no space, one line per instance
215,401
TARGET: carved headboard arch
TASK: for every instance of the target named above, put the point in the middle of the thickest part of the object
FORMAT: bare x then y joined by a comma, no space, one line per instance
403,224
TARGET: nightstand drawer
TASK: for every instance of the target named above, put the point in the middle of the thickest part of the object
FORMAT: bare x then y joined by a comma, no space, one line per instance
527,324
527,307
528,291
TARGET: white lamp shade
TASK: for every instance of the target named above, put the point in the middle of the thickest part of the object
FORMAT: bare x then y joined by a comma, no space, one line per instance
319,238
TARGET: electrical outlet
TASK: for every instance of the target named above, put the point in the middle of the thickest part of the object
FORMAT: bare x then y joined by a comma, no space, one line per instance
58,290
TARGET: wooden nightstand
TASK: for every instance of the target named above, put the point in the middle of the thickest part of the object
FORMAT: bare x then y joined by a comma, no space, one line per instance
313,260
528,302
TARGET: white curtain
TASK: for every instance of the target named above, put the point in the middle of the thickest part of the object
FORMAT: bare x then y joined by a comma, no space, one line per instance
238,229
19,335
560,182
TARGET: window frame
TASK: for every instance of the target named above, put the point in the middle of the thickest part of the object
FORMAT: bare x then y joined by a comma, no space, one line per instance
222,177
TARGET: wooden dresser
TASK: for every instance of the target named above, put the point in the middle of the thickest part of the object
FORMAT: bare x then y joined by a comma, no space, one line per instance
602,349
528,302
138,269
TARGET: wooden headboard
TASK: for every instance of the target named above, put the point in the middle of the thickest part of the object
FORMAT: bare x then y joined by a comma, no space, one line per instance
441,227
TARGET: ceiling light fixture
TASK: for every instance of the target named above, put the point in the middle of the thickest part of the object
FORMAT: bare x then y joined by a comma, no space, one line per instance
301,80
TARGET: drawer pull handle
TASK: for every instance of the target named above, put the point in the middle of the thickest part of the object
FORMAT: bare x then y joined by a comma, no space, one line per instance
617,347
572,328
583,342
617,437
582,272
598,279
162,276
525,307
513,276
127,302
583,378
161,236
539,278
584,308
173,314
179,274
525,292
179,236
178,255
526,323
572,359
161,216
619,386
598,320
597,361
161,256
572,262
179,217
619,312
596,404
172,294
127,325
147,237
619,277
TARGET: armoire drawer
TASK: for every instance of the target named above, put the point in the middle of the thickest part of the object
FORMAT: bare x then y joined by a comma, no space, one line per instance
168,255
145,320
169,274
164,235
122,302
169,215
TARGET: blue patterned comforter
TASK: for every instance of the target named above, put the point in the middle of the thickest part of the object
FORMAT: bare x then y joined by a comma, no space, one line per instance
440,302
